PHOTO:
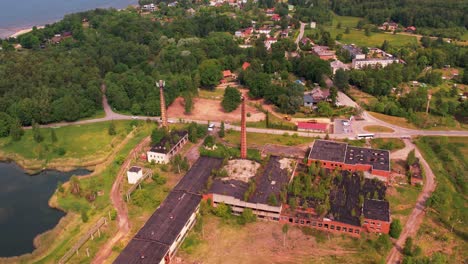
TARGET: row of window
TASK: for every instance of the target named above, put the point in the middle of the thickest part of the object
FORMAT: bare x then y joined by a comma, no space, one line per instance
315,224
372,223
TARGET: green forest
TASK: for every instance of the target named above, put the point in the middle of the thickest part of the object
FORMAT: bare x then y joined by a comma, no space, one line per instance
440,17
123,53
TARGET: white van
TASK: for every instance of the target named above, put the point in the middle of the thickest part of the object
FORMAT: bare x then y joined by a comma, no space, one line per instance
211,127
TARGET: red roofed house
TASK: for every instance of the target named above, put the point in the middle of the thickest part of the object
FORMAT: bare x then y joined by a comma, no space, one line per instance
312,127
275,17
410,29
269,42
227,74
270,11
245,66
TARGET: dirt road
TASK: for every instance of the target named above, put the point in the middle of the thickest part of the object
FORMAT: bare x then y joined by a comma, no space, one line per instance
119,204
417,215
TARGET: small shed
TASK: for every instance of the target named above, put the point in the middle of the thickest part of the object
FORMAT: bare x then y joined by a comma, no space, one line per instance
134,174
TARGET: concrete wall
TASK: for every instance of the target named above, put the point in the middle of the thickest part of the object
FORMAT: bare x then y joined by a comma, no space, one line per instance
263,211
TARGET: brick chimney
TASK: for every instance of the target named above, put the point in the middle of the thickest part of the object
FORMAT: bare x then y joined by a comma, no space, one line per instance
243,131
161,84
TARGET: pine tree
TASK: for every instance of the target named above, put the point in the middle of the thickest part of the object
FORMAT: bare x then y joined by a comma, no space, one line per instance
37,135
111,129
221,130
16,131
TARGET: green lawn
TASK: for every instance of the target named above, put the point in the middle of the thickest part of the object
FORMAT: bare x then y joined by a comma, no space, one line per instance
217,94
359,38
78,142
387,143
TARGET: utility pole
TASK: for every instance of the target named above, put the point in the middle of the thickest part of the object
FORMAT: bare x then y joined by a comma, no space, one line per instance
429,96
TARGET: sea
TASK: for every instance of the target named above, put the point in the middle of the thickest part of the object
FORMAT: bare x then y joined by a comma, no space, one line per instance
16,15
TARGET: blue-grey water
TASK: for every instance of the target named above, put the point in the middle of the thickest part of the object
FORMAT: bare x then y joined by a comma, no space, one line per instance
20,14
24,209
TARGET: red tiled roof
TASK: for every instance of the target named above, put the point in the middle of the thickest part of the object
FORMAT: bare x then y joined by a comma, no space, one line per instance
227,73
312,126
245,66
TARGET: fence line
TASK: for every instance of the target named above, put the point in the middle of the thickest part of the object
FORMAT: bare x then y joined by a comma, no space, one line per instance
90,234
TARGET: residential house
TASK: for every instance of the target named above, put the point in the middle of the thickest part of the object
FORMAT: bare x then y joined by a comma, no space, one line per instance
313,24
308,100
389,26
264,30
320,94
270,41
411,29
245,66
149,8
275,17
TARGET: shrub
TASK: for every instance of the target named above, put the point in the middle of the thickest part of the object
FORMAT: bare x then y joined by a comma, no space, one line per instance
395,228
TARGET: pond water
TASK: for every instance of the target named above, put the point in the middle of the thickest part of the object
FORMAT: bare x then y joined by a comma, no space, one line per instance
24,209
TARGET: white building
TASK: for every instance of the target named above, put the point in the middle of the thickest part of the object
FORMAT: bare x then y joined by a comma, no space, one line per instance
162,152
313,24
269,42
134,174
373,62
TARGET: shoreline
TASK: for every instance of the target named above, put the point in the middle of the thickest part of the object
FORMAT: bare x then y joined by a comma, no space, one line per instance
14,32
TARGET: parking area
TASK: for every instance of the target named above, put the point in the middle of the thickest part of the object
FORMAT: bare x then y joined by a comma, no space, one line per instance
342,126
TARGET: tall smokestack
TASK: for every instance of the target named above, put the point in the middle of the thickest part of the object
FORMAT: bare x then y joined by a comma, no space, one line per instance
161,85
243,131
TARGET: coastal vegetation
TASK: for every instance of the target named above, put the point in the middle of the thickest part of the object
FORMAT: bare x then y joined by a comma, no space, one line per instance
72,146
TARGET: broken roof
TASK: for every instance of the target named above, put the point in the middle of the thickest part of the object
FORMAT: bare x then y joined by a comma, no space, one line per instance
233,188
328,150
377,158
342,152
376,210
270,182
174,137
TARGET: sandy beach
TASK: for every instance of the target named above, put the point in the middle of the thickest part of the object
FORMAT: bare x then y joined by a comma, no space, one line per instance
23,31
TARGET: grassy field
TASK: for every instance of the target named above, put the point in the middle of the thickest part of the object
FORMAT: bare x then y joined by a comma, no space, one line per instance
217,94
359,38
387,143
361,97
444,229
258,139
81,145
394,120
402,200
378,129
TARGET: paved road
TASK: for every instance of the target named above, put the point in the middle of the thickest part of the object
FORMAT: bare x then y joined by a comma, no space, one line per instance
301,34
417,215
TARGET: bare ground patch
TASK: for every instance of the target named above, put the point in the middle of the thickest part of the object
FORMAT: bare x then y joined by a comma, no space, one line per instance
241,169
260,242
206,109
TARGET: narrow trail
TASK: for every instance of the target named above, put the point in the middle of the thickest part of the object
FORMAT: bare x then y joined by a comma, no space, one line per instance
119,204
417,215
